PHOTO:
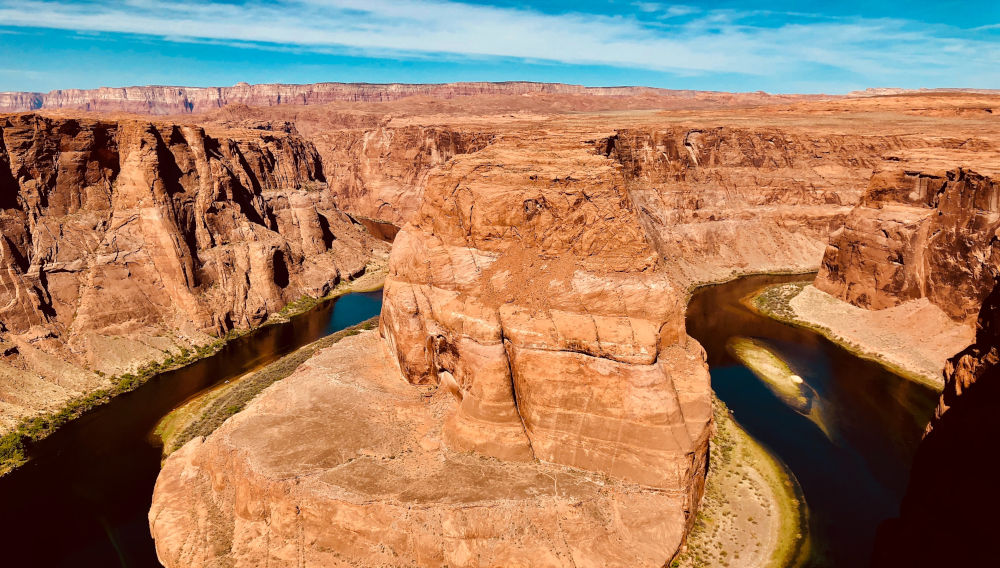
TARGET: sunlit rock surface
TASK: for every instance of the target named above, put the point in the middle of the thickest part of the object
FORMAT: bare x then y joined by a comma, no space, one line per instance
535,299
125,240
273,487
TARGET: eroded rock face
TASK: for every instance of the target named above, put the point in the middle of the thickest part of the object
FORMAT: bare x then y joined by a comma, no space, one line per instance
178,100
273,487
947,517
125,239
720,201
917,235
380,173
526,286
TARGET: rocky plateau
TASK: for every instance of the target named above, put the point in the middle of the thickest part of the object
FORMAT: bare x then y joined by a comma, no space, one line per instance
190,100
532,396
536,294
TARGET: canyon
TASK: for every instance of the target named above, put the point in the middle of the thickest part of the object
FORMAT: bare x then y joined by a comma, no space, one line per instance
127,242
193,100
532,396
932,235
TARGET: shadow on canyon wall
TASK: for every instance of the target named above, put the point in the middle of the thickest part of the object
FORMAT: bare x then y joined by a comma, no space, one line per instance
951,511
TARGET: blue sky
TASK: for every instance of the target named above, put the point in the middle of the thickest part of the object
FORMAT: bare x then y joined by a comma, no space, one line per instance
776,46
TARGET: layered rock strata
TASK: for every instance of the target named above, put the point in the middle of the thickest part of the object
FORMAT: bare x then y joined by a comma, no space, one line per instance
721,201
917,235
126,240
374,168
180,100
273,487
380,173
526,286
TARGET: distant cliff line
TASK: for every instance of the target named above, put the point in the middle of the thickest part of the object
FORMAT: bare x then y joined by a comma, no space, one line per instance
193,100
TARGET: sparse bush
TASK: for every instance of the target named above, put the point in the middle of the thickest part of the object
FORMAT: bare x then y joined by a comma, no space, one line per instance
11,450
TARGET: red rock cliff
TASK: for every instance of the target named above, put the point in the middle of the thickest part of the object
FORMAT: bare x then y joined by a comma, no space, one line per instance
182,100
125,239
527,287
917,235
948,516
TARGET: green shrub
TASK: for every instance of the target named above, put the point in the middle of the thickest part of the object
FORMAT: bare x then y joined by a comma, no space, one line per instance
11,449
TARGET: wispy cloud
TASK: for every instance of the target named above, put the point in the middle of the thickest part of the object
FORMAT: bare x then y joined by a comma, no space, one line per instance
695,43
665,10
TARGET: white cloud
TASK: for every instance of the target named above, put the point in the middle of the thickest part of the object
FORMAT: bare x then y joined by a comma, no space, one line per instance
665,10
713,42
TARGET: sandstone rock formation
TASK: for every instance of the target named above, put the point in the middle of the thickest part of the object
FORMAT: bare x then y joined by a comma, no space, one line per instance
384,490
536,299
375,166
125,240
917,235
379,173
526,286
948,516
721,201
183,100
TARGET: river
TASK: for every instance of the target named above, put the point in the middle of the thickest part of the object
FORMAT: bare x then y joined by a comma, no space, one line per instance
82,500
854,475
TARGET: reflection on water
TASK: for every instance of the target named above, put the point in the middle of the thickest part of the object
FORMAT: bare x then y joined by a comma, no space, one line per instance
82,500
780,379
854,473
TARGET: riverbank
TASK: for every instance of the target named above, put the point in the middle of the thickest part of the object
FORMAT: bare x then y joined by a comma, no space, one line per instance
692,287
912,340
15,445
752,515
201,415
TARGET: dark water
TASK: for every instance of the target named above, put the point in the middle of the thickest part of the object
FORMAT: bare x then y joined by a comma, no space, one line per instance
852,479
82,499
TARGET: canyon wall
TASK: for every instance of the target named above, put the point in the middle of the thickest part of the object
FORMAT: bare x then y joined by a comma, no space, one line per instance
375,166
917,235
932,236
722,201
948,516
184,100
380,173
535,300
126,240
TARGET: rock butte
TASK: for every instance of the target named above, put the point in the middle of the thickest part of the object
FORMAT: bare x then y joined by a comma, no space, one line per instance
540,277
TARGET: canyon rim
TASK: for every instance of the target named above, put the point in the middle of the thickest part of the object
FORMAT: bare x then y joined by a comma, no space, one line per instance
424,321
531,373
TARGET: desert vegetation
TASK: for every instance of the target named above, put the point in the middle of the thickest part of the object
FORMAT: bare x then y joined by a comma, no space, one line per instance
752,514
